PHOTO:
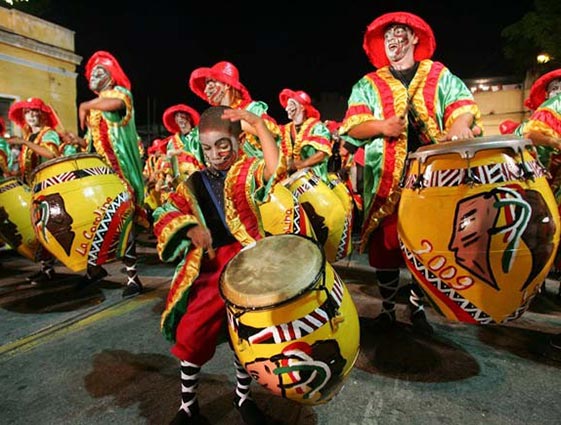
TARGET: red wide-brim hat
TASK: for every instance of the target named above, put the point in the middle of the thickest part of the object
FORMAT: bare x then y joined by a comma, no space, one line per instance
158,145
108,61
538,91
373,43
16,111
169,117
225,72
301,97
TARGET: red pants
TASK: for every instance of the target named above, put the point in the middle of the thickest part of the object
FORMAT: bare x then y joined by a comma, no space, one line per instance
383,247
205,319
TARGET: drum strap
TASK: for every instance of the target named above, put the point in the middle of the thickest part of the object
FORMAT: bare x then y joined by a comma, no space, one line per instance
215,201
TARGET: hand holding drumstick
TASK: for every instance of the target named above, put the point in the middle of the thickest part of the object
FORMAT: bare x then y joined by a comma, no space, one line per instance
201,238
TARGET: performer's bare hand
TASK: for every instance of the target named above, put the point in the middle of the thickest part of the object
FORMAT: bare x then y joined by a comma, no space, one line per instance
201,238
394,126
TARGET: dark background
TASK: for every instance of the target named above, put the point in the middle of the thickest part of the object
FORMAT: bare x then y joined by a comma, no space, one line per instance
308,45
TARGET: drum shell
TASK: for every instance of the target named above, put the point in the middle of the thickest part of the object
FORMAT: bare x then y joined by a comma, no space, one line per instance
282,214
95,205
291,321
430,220
15,199
331,221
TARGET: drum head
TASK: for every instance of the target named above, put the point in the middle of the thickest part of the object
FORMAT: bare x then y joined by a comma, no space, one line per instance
467,148
274,270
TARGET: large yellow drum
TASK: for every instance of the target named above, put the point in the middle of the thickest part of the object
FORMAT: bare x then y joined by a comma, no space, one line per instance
292,322
332,224
16,228
82,209
282,214
479,226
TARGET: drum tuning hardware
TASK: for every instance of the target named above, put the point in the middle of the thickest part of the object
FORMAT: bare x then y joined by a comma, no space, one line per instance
335,321
526,172
470,178
418,183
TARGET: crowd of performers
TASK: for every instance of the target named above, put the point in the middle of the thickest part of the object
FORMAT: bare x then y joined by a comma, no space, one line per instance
202,189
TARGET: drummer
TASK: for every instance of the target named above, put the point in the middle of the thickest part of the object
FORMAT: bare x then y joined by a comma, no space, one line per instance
221,85
39,143
111,132
206,222
306,140
409,101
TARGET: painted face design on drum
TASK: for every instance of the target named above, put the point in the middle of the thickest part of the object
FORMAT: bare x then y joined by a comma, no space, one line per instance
100,79
553,88
49,213
183,122
295,111
398,41
219,149
215,92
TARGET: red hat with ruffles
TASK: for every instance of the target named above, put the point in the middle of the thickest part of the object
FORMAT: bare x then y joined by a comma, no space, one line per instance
16,111
538,91
169,117
108,61
158,145
508,126
373,43
225,72
301,97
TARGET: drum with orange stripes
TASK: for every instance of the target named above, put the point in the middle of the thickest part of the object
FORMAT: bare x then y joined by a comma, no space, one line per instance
293,324
479,226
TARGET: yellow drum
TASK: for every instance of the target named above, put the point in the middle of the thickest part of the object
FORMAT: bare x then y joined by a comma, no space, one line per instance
282,214
479,226
16,228
292,322
82,209
331,223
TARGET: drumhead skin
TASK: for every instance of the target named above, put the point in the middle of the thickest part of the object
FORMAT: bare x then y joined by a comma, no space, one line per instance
272,271
479,227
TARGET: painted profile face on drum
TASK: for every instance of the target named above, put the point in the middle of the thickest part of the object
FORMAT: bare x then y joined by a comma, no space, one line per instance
100,79
219,149
215,91
183,122
399,39
553,88
50,214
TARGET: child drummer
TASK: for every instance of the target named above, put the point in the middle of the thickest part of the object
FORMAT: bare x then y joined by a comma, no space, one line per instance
207,222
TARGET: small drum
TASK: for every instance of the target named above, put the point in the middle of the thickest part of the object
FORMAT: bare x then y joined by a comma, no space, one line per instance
16,228
479,226
331,223
282,214
292,322
343,193
82,209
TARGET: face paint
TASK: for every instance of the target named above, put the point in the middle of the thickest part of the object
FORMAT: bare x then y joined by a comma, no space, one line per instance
295,111
32,117
182,121
398,40
100,79
219,149
553,88
215,91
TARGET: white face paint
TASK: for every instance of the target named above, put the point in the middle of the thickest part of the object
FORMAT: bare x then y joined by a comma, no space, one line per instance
399,41
215,92
219,148
295,111
553,88
182,121
33,117
100,79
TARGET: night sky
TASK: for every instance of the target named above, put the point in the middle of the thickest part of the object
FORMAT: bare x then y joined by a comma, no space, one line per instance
306,45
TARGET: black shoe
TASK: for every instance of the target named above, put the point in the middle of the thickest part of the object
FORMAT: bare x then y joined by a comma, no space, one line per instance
41,277
184,418
250,413
94,275
385,320
132,289
420,324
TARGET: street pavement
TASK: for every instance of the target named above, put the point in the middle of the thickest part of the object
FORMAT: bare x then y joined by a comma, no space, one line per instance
90,357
